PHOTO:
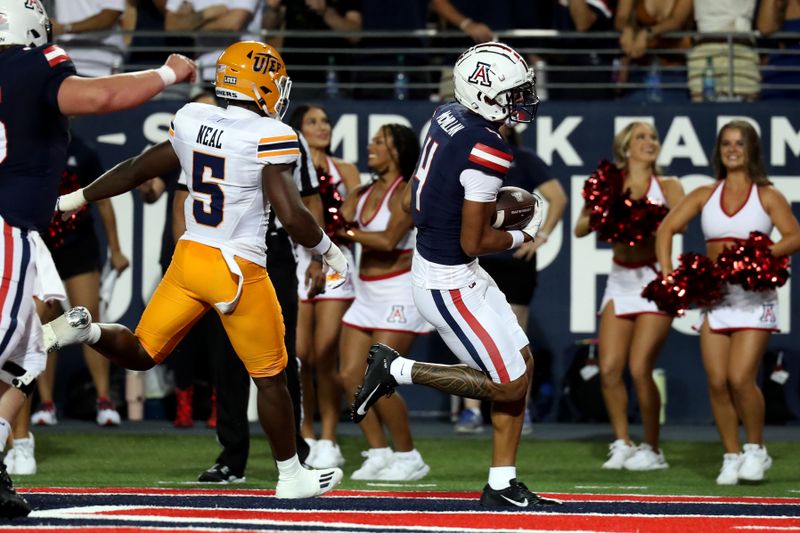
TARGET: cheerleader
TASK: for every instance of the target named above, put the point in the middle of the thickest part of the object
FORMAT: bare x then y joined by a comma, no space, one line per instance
734,332
632,329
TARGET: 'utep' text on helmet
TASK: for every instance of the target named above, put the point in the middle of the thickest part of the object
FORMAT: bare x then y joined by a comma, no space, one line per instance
23,22
250,70
494,81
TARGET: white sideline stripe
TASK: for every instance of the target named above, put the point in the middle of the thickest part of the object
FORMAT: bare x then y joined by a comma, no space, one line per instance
771,528
622,487
491,157
401,484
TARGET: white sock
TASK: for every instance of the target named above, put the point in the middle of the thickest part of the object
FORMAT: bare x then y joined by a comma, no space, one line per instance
500,476
288,468
94,334
401,370
5,431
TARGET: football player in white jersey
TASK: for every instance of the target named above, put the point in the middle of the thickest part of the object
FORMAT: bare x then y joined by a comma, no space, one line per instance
236,163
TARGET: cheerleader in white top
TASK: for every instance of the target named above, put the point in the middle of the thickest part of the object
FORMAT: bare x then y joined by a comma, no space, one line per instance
632,329
734,333
384,309
319,315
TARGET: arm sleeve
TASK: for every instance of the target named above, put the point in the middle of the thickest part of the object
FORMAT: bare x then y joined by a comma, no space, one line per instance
277,144
54,66
487,152
479,186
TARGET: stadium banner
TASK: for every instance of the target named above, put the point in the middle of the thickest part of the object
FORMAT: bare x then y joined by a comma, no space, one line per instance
571,137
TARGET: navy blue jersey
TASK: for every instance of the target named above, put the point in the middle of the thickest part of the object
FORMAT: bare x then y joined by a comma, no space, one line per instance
457,140
33,133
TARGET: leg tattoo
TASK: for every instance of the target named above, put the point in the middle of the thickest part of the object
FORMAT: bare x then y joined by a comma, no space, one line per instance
460,380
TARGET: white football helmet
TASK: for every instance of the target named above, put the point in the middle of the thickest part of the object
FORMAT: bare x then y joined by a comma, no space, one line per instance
23,22
494,81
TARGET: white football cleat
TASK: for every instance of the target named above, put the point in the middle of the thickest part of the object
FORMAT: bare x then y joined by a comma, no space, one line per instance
308,483
70,328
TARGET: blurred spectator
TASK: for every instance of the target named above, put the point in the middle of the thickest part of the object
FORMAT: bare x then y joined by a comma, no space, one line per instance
478,24
394,15
784,16
76,253
588,66
209,16
712,17
641,24
149,16
74,22
337,15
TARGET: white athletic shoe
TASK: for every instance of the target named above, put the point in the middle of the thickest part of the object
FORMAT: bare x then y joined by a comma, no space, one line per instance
308,483
107,414
326,455
619,451
375,460
644,458
729,473
70,328
24,461
405,466
312,450
755,462
45,415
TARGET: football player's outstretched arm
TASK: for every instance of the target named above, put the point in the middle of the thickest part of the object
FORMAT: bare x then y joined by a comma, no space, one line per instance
94,96
126,176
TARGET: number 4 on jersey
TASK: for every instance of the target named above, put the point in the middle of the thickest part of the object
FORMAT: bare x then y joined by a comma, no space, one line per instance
421,175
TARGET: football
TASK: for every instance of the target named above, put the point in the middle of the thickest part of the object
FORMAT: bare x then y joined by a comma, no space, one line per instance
514,208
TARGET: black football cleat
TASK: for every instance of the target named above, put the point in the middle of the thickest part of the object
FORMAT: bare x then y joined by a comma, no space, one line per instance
378,381
12,505
220,474
515,495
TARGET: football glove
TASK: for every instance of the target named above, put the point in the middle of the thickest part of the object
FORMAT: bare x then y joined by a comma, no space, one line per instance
532,228
68,204
337,262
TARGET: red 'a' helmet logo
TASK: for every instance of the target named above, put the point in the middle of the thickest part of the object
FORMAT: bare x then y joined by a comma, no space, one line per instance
481,75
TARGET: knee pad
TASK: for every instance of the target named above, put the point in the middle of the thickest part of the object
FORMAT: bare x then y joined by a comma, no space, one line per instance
18,377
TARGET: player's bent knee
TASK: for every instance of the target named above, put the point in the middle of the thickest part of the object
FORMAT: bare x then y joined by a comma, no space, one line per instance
511,391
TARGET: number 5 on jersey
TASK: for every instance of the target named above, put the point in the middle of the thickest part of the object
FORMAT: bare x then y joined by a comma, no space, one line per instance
204,168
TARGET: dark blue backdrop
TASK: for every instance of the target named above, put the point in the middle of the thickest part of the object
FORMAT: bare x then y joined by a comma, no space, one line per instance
572,138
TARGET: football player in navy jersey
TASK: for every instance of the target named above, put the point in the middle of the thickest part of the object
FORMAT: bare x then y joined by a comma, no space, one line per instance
38,90
462,166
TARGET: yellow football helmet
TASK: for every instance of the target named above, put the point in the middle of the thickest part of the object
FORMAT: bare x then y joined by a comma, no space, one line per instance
250,70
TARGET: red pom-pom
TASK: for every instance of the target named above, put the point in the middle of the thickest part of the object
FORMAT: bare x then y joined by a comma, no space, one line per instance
695,282
750,263
613,214
331,202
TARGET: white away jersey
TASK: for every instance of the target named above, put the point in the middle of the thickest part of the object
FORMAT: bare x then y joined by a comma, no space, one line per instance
222,153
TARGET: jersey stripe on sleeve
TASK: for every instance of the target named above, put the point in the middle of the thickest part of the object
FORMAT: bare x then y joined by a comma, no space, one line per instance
278,146
55,55
491,158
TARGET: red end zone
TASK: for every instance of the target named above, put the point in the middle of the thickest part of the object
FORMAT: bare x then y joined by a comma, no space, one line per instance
207,510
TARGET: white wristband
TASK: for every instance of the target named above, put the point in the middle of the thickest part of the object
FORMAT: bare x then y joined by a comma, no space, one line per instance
71,201
323,245
167,75
517,238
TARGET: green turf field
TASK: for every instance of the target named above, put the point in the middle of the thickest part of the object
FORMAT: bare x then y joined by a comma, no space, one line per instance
106,458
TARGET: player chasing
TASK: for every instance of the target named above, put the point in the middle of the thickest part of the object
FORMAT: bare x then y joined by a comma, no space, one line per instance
237,163
462,166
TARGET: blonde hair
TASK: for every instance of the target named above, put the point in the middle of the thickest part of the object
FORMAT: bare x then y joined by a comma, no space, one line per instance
622,141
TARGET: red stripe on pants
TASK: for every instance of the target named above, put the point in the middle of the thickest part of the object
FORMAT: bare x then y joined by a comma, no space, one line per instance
483,336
